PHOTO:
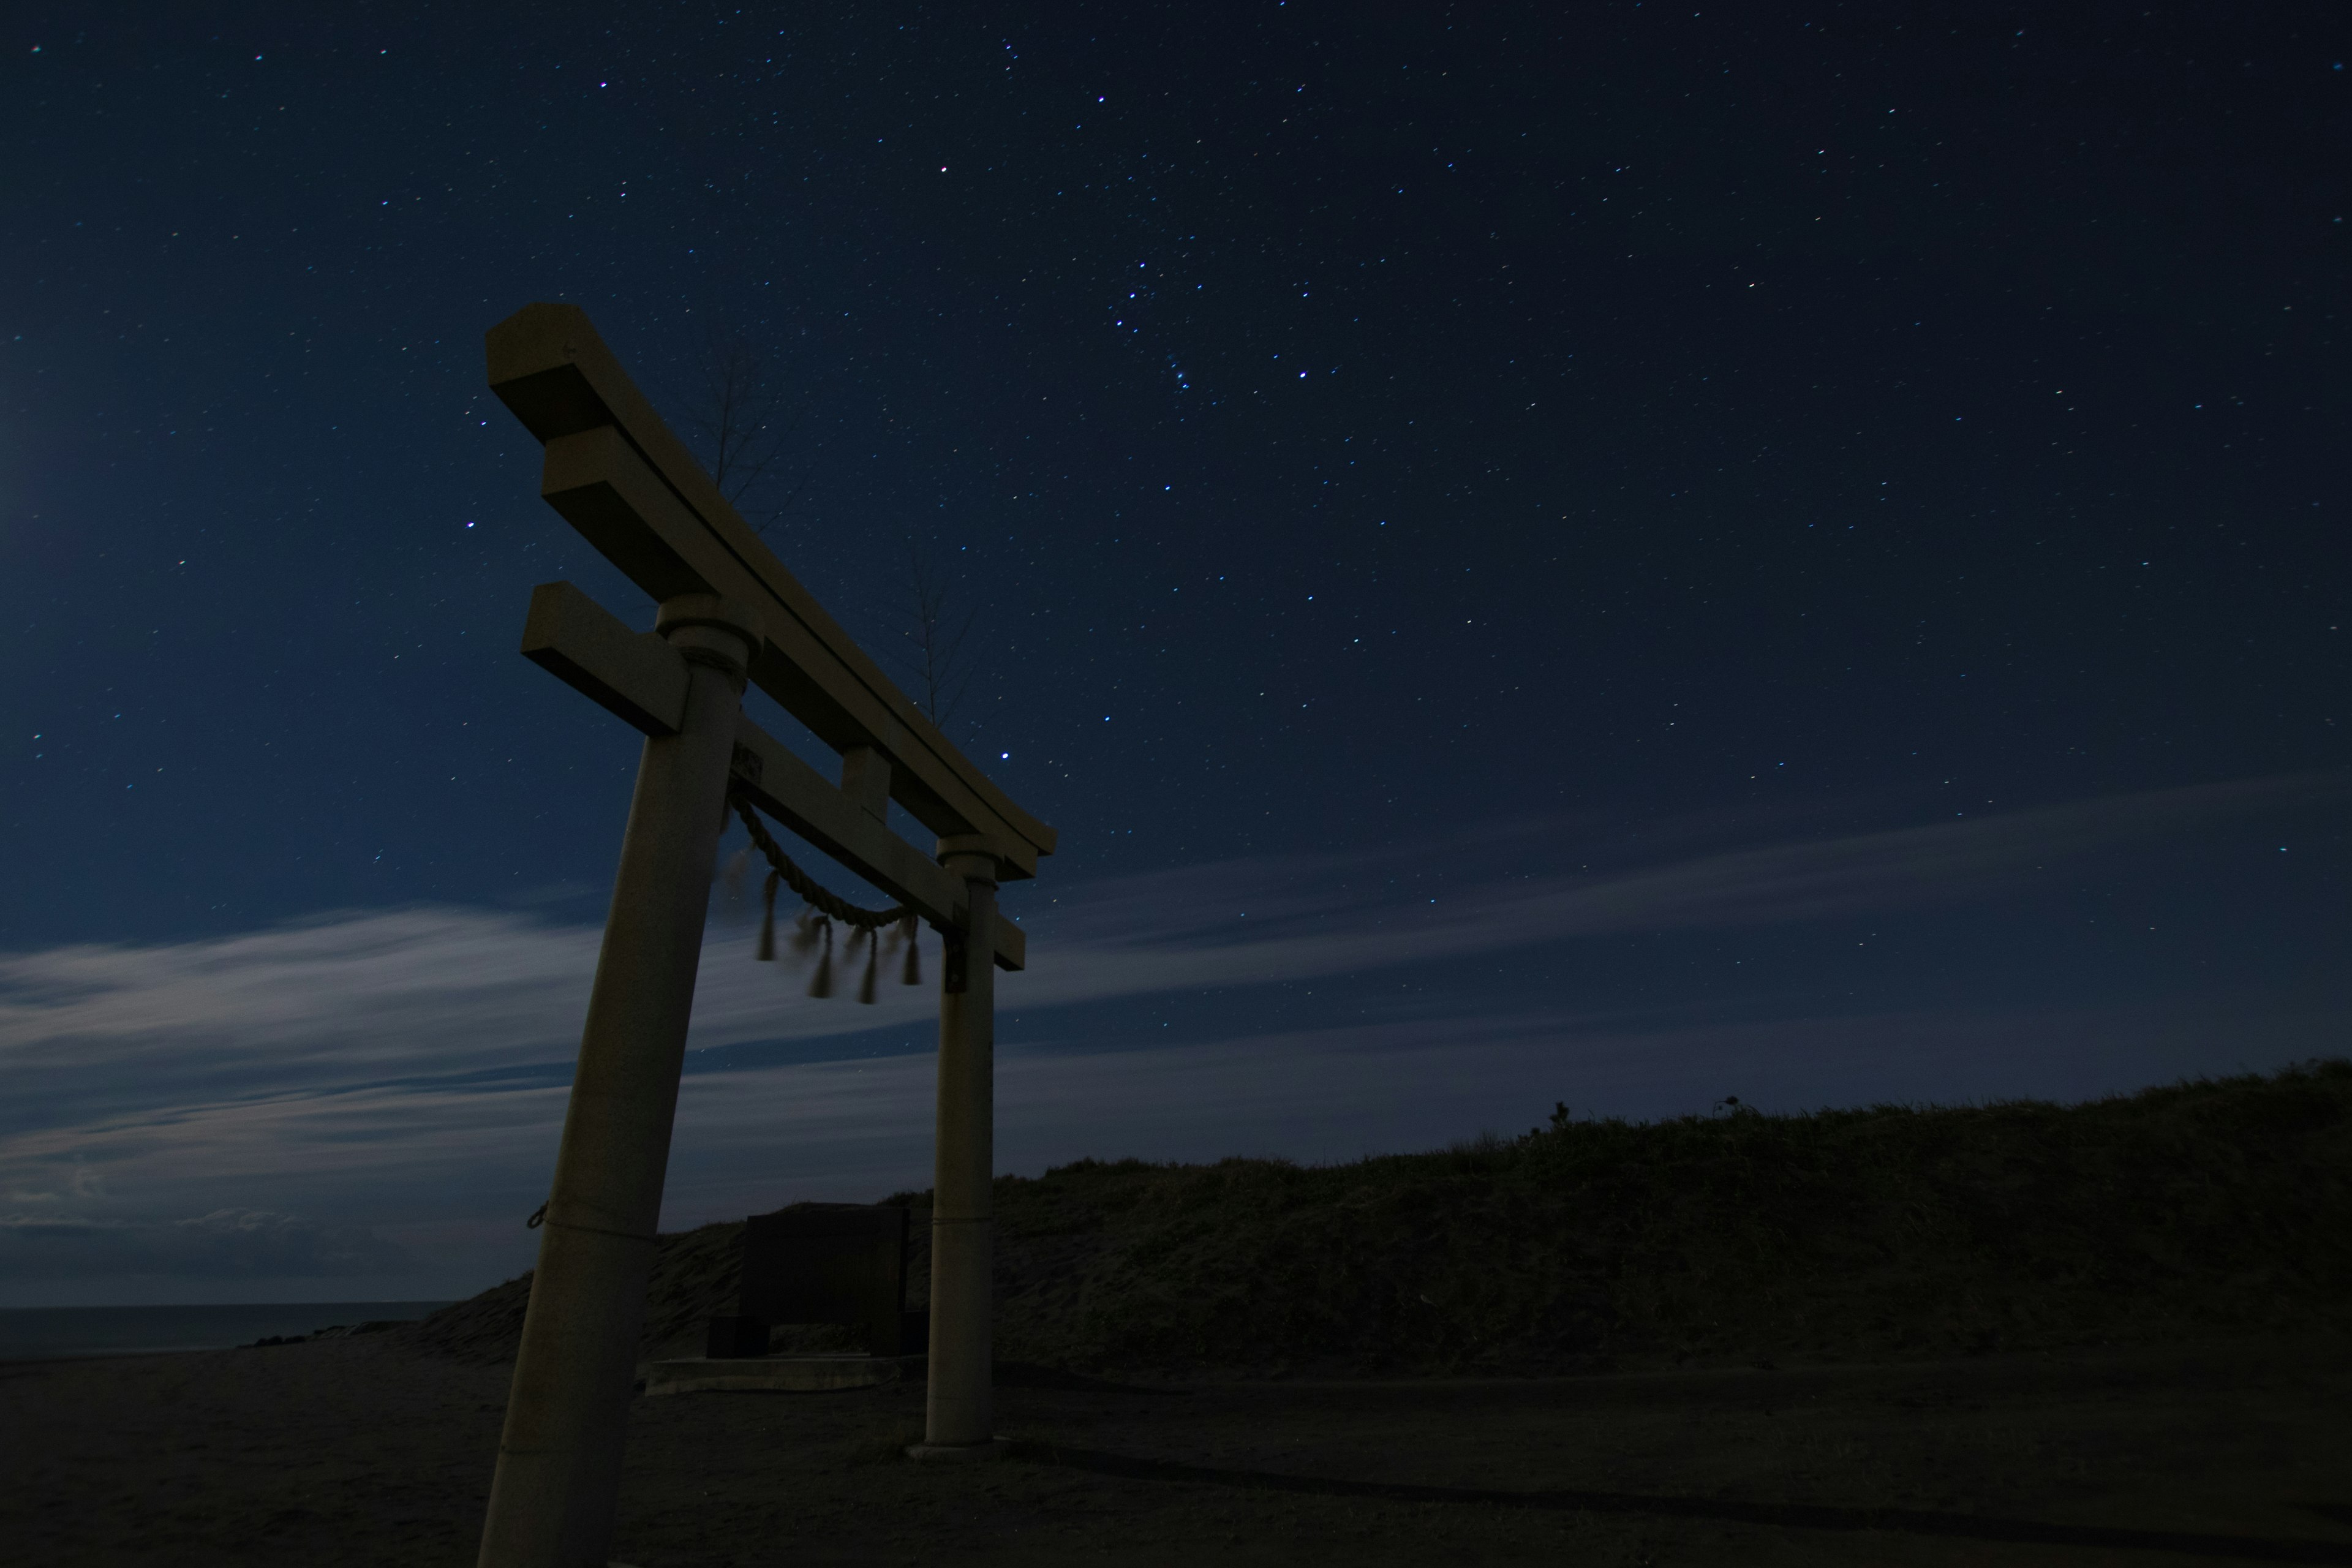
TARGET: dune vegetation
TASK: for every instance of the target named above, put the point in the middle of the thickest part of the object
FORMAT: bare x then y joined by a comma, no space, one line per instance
2209,1208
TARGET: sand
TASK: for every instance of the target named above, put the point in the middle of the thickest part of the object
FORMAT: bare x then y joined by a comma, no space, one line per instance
367,1451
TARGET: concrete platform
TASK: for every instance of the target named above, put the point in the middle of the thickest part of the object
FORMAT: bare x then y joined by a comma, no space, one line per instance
960,1453
778,1374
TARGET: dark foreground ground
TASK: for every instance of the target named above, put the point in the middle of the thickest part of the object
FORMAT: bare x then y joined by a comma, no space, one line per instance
359,1451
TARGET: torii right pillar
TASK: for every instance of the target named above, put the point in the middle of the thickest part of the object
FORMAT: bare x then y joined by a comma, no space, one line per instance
960,1413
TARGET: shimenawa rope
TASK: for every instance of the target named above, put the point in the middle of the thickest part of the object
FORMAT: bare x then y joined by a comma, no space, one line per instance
810,930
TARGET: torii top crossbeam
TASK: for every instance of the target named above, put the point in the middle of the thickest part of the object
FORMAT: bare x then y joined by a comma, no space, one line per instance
619,475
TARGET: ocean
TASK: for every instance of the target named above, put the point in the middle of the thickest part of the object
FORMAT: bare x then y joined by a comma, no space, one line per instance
41,1333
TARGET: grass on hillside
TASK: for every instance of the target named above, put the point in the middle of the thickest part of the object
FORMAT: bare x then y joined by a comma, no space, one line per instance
2212,1206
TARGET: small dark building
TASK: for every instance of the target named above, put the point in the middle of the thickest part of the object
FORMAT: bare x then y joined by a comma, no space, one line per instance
823,1263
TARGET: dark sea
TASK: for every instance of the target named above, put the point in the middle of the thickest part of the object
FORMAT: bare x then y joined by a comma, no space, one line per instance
40,1333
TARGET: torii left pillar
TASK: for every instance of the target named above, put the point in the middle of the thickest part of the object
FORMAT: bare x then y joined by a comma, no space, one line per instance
556,1493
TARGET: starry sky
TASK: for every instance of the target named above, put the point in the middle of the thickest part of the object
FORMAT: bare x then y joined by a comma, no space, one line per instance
1615,554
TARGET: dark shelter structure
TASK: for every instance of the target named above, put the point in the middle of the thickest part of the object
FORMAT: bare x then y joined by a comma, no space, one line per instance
842,1264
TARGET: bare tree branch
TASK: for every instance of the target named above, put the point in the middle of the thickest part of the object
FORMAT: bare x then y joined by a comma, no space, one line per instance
745,429
934,634
746,432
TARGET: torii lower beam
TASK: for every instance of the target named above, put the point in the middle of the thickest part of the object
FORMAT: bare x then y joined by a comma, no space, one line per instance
639,679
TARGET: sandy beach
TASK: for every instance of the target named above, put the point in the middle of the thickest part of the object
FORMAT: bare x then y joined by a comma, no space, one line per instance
367,1451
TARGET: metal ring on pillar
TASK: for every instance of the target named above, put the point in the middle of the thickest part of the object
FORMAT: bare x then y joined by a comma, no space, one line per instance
702,626
971,855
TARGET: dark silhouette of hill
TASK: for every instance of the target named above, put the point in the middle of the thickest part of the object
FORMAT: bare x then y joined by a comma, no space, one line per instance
2215,1206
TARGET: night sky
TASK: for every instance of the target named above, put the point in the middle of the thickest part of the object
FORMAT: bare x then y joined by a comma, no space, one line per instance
1613,554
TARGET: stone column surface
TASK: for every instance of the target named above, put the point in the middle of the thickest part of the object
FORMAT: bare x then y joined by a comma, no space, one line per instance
959,1415
555,1494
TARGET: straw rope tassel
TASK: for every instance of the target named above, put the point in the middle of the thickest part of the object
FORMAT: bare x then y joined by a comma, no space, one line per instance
730,871
822,987
822,909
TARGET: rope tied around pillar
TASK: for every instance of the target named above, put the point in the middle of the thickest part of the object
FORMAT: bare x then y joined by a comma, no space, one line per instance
812,929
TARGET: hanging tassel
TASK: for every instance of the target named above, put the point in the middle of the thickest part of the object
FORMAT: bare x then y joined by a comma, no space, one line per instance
822,987
912,974
865,986
804,933
730,876
768,922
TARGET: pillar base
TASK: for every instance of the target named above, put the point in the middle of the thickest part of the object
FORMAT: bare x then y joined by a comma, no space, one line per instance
959,1453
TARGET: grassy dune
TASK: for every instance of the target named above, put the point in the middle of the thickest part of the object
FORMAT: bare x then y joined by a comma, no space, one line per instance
2215,1206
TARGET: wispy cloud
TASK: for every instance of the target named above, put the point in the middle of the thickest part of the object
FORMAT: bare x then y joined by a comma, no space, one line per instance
334,1001
407,1069
1245,923
451,1176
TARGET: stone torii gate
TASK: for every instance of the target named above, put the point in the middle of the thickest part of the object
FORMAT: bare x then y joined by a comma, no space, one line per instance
730,613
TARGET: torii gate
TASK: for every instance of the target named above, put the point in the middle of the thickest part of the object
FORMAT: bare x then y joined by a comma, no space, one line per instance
729,613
